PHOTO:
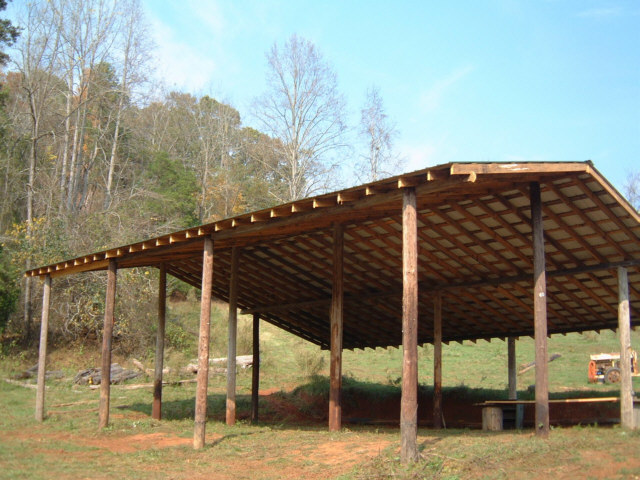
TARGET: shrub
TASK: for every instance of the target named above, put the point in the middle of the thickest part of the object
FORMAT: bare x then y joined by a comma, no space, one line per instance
9,289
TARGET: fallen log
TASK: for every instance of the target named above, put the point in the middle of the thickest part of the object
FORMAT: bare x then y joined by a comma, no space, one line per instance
528,366
148,371
69,404
243,361
93,376
137,386
193,368
22,384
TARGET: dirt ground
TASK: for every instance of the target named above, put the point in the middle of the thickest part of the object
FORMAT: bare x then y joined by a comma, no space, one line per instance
298,447
334,458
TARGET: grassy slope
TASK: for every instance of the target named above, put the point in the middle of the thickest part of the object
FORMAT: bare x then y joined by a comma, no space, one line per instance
31,450
476,365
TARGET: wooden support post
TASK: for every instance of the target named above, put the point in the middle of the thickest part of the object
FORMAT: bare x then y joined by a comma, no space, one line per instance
203,345
624,329
107,334
511,367
42,357
337,297
540,314
233,336
437,361
255,373
156,409
409,401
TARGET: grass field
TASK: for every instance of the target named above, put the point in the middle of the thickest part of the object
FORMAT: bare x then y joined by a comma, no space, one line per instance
68,444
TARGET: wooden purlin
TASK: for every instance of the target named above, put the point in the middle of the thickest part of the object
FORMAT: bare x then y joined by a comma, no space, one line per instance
594,225
356,275
582,288
475,262
498,238
523,291
276,278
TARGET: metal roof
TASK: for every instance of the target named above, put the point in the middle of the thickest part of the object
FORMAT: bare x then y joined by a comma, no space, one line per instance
475,247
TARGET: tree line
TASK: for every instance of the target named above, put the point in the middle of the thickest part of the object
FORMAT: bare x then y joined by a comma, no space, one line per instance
94,153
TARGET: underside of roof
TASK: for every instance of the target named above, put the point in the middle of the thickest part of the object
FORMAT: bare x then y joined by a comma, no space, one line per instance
475,248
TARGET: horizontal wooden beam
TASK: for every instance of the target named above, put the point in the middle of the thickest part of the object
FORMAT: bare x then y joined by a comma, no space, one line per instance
442,288
519,168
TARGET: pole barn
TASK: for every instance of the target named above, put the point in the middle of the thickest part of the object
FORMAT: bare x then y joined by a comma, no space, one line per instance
461,251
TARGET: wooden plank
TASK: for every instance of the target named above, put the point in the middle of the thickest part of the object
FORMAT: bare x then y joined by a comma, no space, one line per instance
337,301
519,168
86,267
540,314
233,337
260,217
325,202
407,182
255,373
437,361
107,334
511,368
203,345
409,400
559,400
42,356
624,328
351,196
283,211
156,409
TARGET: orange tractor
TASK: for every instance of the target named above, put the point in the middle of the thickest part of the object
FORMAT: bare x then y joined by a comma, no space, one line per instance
605,367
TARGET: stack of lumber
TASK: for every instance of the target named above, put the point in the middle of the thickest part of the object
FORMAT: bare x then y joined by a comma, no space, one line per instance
93,376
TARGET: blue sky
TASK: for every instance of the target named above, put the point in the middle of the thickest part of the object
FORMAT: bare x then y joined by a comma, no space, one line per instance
464,80
492,80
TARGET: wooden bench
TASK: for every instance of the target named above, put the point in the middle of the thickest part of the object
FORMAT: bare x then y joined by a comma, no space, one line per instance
498,414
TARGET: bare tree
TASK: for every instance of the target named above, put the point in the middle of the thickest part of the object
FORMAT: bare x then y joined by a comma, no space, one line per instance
134,51
37,61
632,189
304,110
89,32
377,133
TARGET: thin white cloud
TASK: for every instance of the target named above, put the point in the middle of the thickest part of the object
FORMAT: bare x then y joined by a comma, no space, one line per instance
179,65
188,52
431,98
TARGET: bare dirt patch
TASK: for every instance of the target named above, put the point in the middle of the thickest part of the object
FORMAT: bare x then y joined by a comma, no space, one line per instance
115,444
351,453
141,441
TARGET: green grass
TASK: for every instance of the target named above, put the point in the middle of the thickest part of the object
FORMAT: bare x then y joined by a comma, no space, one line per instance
282,446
